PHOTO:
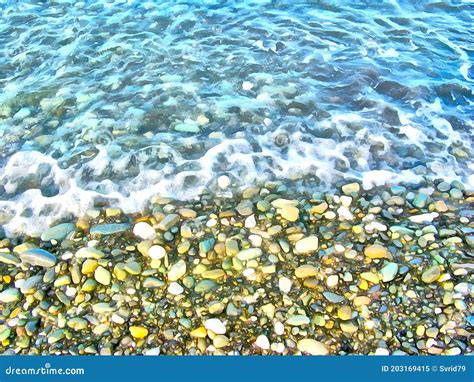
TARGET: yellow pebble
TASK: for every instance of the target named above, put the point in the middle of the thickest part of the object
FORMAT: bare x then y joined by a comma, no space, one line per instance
200,332
138,331
369,276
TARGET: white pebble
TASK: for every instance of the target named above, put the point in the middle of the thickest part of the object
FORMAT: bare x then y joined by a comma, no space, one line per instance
144,230
156,252
278,347
263,342
382,351
215,325
284,284
223,182
332,281
279,328
250,222
175,288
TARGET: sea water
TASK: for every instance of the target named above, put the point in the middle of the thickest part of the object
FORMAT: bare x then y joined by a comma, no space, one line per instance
113,102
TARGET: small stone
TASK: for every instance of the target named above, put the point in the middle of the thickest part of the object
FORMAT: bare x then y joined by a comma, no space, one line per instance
144,231
313,347
109,229
102,275
250,222
420,200
138,332
204,286
38,257
388,272
175,289
262,342
377,251
10,295
156,252
58,232
220,341
249,254
289,212
369,276
77,323
177,271
89,266
279,328
62,281
102,308
344,312
361,301
200,332
351,188
284,284
133,267
298,320
55,336
168,222
7,258
332,281
153,282
319,209
333,297
89,253
307,245
30,284
245,208
223,182
348,327
305,271
213,274
431,274
215,325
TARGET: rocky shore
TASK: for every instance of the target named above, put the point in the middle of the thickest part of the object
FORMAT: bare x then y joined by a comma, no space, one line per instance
267,271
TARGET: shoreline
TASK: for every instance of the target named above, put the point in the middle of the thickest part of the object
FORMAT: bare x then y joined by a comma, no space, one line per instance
268,271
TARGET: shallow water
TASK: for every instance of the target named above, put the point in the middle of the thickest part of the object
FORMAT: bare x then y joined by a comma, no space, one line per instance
117,101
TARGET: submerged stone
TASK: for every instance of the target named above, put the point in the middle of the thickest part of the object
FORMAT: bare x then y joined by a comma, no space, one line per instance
58,232
109,229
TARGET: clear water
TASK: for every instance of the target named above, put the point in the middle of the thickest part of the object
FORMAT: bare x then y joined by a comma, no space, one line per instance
95,95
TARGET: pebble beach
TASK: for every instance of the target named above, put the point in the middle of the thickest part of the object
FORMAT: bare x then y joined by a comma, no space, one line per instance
268,271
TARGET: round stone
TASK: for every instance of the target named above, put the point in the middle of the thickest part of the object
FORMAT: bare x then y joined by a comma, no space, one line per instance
177,271
388,272
284,284
307,245
304,271
156,252
223,182
10,295
431,274
332,281
262,342
311,346
377,251
344,312
215,325
298,320
138,332
175,289
102,275
144,231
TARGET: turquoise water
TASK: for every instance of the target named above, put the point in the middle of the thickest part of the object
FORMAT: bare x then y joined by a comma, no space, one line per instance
118,101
